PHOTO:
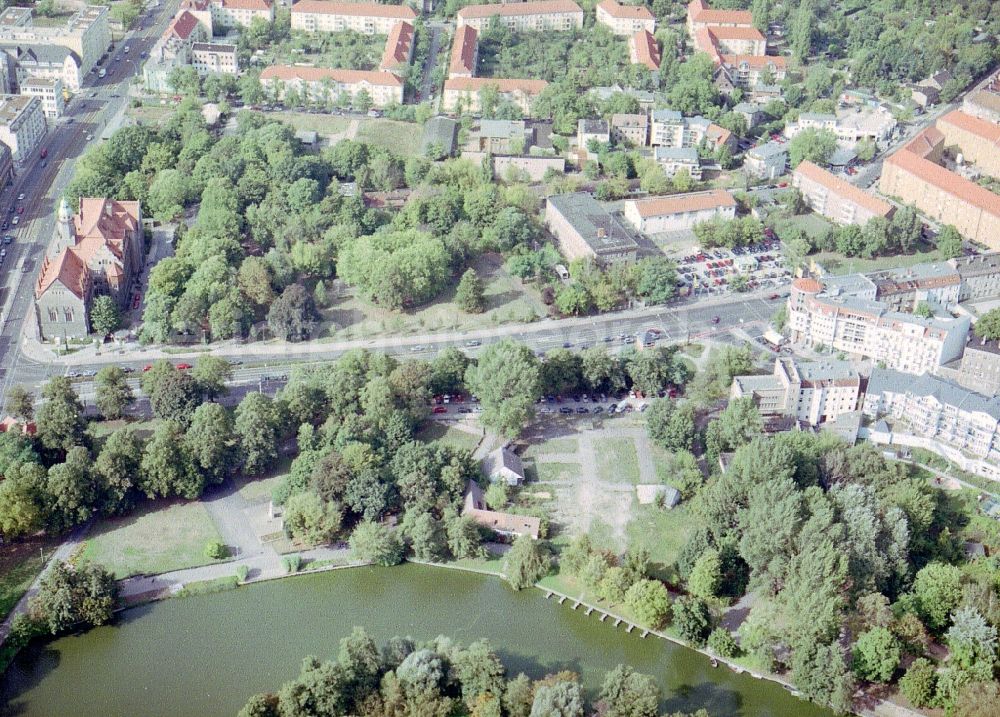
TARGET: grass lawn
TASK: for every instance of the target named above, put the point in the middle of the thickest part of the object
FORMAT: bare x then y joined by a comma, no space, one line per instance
20,563
553,445
617,460
151,114
258,490
812,224
321,123
402,138
437,431
547,472
662,532
839,264
102,429
153,540
693,350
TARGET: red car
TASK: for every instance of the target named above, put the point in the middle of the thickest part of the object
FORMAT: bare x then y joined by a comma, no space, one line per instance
147,367
184,366
782,185
440,409
20,210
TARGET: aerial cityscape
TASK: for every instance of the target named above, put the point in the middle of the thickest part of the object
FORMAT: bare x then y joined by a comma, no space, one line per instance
552,358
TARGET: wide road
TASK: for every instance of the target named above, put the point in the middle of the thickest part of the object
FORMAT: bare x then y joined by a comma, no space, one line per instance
87,114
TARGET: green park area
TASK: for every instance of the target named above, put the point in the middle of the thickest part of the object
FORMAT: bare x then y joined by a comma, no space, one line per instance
447,435
322,124
20,562
403,138
617,460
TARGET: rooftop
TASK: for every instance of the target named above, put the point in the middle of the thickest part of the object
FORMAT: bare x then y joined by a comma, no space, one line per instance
676,154
359,9
700,12
981,128
946,392
543,7
501,129
599,228
592,126
771,149
844,189
463,50
977,264
946,181
286,73
678,203
625,12
12,106
646,49
397,46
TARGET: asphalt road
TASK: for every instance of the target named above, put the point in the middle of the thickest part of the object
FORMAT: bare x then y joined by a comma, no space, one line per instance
88,113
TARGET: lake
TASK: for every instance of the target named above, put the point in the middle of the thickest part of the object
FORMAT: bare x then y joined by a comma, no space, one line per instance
204,656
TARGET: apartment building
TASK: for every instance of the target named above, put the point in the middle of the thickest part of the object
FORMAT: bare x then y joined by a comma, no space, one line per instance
201,10
49,91
914,175
462,93
53,62
591,130
87,32
903,289
630,129
209,57
6,164
644,50
679,211
502,137
674,159
671,129
979,367
862,327
977,140
700,15
586,230
22,126
366,18
173,49
231,14
398,50
813,393
767,161
544,15
624,19
722,40
850,126
837,200
936,409
319,83
464,52
751,72
980,275
984,104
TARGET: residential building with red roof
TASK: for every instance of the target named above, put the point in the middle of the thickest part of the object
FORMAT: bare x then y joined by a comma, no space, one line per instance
837,200
464,52
737,48
173,49
462,93
320,84
644,50
363,17
625,19
398,47
542,15
701,15
978,140
679,211
97,251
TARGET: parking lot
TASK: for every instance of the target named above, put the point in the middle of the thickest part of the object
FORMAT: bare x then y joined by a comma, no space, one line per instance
444,407
710,271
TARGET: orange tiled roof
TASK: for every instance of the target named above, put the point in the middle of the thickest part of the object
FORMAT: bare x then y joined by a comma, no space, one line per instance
645,50
699,12
67,268
543,7
324,7
397,46
981,128
106,218
807,285
925,142
625,12
757,61
286,73
474,84
721,135
183,25
844,189
735,33
684,203
463,51
946,181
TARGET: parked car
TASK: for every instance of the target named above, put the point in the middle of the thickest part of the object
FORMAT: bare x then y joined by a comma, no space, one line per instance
716,319
440,409
184,366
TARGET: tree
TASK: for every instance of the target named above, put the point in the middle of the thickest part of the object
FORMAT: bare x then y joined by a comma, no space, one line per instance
734,427
971,639
949,242
464,540
670,426
60,418
376,543
167,467
105,316
211,441
802,30
924,310
292,314
113,394
264,704
819,670
24,501
173,394
938,591
657,282
426,538
706,576
506,380
722,643
627,693
649,601
560,699
258,430
118,466
814,145
469,294
526,563
71,595
876,655
211,373
919,683
692,619
988,325
308,519
20,403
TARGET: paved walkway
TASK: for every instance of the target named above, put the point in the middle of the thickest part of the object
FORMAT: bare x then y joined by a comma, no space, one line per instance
228,509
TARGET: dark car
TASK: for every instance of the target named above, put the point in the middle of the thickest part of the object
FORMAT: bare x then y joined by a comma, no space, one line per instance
716,319
582,409
565,409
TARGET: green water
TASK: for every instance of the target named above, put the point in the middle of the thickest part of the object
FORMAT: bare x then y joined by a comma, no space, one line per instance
204,656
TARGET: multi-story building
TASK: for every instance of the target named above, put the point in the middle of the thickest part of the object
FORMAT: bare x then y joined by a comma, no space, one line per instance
644,50
503,137
814,393
903,289
202,11
50,61
398,48
984,104
173,49
586,230
625,19
980,274
679,211
366,18
738,50
674,159
319,84
850,126
6,164
462,93
591,130
630,129
97,251
671,129
766,161
859,326
209,57
721,40
231,14
87,32
699,15
938,410
464,52
542,15
751,72
22,126
977,139
49,91
979,367
839,201
914,175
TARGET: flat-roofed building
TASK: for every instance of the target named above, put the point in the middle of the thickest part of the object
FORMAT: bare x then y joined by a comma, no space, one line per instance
586,230
502,136
87,32
670,129
49,91
22,126
229,14
643,49
679,211
398,51
51,61
766,161
631,129
464,52
544,15
463,92
983,104
979,368
366,18
209,57
624,19
674,159
812,392
591,130
850,126
977,140
319,84
839,201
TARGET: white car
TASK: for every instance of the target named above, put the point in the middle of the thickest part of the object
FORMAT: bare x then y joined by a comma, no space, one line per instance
15,220
125,49
90,137
20,196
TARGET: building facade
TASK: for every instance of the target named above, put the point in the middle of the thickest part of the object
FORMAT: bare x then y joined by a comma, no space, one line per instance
87,32
231,14
679,211
624,19
22,126
49,61
980,275
319,84
586,230
49,91
674,159
544,15
671,129
976,139
462,93
839,201
768,161
814,393
213,57
366,18
630,129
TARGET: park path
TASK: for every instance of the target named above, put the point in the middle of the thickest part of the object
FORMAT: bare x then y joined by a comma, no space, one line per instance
228,509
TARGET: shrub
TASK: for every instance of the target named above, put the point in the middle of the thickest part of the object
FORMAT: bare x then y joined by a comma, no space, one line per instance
216,550
242,571
722,643
291,563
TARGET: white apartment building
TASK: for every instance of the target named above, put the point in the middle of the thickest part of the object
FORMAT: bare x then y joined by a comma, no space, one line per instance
366,18
462,93
625,19
230,14
851,126
22,126
319,83
859,326
679,211
670,129
674,159
49,91
51,61
814,393
209,57
87,32
768,161
544,15
932,408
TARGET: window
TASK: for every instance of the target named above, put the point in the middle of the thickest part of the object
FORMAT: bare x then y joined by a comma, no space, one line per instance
53,315
68,315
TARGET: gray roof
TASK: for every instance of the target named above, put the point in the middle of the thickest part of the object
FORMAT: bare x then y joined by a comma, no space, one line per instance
946,392
818,117
592,126
667,116
764,151
27,53
881,426
604,93
440,130
599,228
763,382
679,154
848,284
977,264
842,156
747,108
503,458
918,271
501,128
829,370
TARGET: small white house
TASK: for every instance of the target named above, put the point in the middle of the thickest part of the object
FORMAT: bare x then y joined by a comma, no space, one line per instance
504,465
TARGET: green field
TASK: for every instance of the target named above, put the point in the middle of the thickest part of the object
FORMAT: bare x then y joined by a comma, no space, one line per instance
548,472
662,532
20,562
402,138
553,445
436,431
153,539
812,224
321,123
617,461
